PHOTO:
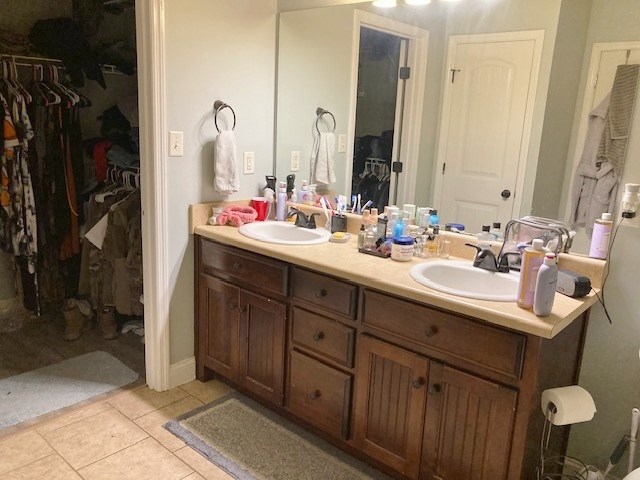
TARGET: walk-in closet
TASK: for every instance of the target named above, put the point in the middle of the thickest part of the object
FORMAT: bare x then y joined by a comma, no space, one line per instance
71,297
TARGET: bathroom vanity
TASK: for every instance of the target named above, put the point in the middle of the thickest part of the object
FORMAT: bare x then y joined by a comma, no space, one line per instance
421,384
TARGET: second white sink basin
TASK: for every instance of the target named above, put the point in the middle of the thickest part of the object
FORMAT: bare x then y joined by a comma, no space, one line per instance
285,233
461,278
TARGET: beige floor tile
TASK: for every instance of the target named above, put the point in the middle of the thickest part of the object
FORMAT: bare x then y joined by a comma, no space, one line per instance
194,476
209,470
146,460
153,422
207,391
94,438
22,449
52,467
140,402
76,416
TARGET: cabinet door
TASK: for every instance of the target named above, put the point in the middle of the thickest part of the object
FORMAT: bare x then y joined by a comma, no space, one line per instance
468,427
390,404
218,310
262,337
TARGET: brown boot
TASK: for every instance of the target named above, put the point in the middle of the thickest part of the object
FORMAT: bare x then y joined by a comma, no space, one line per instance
74,323
108,325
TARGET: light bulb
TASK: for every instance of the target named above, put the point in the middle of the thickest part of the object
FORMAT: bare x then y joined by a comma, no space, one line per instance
384,3
417,2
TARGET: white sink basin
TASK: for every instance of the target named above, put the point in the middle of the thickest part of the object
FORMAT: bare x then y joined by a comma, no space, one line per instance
461,278
285,233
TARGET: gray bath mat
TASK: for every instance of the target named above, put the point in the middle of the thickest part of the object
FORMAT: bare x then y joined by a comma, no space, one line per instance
252,443
31,394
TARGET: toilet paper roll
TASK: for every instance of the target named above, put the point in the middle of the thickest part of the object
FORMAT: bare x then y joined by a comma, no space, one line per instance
573,404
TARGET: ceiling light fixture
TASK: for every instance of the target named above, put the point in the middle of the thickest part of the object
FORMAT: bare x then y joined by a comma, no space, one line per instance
417,2
385,3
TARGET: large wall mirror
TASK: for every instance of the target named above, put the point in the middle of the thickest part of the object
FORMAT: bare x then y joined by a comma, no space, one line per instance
506,128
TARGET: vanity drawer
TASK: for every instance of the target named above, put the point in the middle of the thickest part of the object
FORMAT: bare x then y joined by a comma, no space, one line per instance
326,292
255,271
324,336
489,347
320,395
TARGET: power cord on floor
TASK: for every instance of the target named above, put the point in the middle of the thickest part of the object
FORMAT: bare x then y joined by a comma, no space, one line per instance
606,274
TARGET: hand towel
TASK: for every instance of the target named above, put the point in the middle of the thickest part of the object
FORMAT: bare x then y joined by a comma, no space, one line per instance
323,158
226,174
236,215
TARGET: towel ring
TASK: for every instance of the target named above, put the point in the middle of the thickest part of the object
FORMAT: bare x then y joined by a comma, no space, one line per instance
320,112
219,105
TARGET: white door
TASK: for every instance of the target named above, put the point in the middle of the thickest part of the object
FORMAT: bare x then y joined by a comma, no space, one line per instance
487,109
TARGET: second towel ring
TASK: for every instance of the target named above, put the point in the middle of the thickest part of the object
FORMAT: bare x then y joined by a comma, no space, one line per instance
219,105
319,113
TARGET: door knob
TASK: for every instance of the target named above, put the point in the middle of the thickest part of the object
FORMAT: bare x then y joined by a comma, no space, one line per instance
435,388
318,336
505,193
418,383
316,394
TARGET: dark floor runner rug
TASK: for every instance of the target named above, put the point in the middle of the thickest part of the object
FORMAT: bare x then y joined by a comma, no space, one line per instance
252,443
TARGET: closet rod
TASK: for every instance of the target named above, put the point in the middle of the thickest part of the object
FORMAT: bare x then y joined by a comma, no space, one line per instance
30,61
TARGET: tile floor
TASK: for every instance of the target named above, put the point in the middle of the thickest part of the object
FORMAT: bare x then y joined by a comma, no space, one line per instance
119,437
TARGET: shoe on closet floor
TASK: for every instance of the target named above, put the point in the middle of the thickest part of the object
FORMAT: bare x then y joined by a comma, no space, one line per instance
74,323
108,325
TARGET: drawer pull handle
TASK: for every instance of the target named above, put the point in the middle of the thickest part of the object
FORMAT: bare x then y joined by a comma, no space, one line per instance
318,336
316,394
321,293
431,331
237,265
435,388
418,383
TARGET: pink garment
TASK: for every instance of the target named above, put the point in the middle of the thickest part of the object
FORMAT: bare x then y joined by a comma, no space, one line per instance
237,215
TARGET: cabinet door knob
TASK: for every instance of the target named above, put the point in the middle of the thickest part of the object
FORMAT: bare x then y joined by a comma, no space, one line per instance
232,306
418,383
318,336
435,388
316,394
243,308
321,293
237,265
431,331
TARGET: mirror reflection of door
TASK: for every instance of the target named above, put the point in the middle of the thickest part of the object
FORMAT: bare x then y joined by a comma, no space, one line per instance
379,98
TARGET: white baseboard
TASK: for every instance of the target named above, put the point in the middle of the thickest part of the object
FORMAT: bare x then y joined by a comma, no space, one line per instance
182,372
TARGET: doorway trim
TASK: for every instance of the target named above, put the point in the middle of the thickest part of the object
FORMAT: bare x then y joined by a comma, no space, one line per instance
153,151
414,97
454,40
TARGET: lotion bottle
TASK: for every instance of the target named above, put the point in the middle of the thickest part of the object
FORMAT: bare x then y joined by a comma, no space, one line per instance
600,237
546,286
281,214
532,259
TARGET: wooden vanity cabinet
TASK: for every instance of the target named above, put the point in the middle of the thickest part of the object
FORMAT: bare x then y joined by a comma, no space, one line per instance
423,393
240,333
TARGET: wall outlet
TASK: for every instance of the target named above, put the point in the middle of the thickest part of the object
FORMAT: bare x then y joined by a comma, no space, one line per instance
176,144
249,163
342,143
295,161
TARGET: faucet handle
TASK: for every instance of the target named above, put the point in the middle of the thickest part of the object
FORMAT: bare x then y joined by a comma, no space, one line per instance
311,221
478,249
503,263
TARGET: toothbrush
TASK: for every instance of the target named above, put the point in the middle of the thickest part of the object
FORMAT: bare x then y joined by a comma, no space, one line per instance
367,205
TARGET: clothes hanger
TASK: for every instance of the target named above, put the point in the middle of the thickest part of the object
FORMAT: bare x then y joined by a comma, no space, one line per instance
75,99
65,99
51,97
13,70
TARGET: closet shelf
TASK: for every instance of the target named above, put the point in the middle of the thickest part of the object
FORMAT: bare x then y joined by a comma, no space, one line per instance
28,61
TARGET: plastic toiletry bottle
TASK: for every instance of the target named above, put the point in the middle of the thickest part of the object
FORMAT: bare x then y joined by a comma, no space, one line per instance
402,249
434,219
312,194
281,214
484,238
270,196
303,196
294,196
361,237
532,259
600,237
546,286
496,231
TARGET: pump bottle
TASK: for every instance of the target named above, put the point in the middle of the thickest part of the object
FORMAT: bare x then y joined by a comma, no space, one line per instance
546,286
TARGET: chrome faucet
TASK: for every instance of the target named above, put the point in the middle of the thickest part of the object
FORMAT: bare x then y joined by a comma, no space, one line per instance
487,260
302,220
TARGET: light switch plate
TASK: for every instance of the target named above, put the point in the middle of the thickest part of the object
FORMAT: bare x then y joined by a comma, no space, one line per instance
249,163
295,161
342,143
176,144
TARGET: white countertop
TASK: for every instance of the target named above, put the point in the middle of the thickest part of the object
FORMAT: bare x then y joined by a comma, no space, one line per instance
343,260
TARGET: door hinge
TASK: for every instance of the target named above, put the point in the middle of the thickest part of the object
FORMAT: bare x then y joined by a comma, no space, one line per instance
444,167
595,80
453,74
405,73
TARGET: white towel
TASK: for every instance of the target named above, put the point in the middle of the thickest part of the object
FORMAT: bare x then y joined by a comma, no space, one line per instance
323,158
226,174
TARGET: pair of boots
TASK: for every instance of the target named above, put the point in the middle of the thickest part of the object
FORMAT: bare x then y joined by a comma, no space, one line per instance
77,316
